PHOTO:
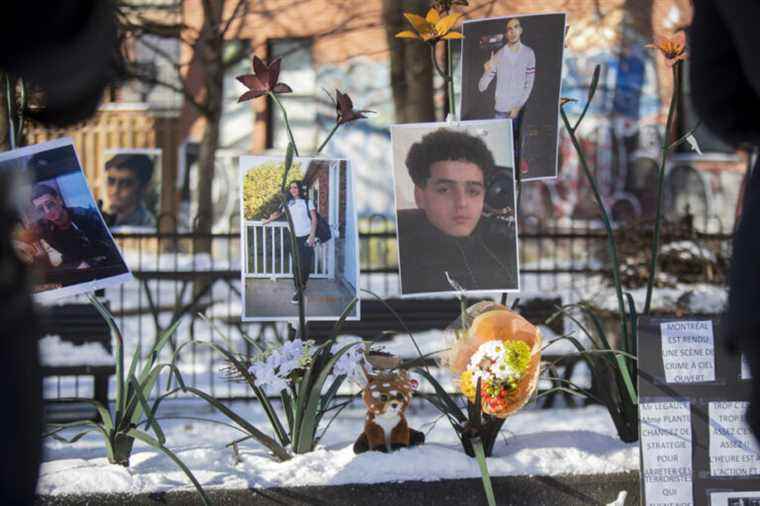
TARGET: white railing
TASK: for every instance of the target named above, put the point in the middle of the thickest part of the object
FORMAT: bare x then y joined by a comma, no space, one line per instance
265,256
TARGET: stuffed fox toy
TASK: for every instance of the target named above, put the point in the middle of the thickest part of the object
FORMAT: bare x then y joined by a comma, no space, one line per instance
387,395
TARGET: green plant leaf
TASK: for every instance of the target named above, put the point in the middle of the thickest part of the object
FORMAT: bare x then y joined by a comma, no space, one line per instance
475,415
105,415
150,415
287,406
145,438
310,414
626,377
279,452
331,391
451,407
119,356
74,439
591,92
480,455
246,375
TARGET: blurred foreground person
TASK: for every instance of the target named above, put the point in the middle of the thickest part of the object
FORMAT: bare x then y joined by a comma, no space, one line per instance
68,50
725,87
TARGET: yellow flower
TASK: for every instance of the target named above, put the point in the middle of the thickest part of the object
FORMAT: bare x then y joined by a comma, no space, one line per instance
467,386
432,27
673,48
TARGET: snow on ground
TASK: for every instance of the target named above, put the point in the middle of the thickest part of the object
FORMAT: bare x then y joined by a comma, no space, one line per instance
533,442
699,299
56,352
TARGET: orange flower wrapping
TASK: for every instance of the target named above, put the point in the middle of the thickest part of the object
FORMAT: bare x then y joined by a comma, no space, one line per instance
494,322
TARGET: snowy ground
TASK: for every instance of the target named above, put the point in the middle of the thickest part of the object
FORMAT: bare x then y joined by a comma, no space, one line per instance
533,442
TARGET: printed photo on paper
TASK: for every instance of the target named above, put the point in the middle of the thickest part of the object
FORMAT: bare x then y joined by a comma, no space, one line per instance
319,198
512,68
60,233
455,199
131,189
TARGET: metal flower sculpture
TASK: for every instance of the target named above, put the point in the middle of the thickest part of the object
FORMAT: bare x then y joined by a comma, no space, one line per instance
431,28
263,81
673,48
345,109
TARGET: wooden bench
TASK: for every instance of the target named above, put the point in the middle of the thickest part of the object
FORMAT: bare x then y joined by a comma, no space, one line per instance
79,324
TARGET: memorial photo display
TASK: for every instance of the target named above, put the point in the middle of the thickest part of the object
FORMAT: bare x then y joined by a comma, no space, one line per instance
455,199
512,68
320,200
60,232
131,189
696,447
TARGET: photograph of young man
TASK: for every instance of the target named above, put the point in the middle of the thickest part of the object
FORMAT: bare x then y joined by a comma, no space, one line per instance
514,67
128,178
448,231
77,234
304,216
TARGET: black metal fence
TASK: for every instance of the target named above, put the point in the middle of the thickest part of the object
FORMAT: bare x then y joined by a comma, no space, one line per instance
196,278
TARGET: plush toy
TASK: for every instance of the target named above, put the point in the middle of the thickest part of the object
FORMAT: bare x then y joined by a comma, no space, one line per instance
387,395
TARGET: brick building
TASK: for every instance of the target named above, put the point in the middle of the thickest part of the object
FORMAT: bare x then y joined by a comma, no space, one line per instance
342,44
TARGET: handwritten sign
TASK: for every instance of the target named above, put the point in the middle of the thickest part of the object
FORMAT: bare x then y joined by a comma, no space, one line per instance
666,446
688,351
733,449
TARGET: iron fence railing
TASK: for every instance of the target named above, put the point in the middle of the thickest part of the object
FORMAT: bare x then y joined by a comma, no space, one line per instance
196,278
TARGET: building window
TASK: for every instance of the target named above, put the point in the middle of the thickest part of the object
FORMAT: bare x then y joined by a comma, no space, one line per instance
298,72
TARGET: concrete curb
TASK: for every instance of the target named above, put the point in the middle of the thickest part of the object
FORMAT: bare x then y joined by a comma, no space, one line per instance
580,490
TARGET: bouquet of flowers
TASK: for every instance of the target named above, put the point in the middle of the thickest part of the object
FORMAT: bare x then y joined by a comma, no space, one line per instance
500,350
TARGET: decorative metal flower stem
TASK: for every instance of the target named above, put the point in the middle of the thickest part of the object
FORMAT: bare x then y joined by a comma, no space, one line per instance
450,62
285,119
438,68
611,248
327,139
666,147
445,74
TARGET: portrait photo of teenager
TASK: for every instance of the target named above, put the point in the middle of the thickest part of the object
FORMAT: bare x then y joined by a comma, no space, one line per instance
130,189
319,200
512,68
455,189
60,233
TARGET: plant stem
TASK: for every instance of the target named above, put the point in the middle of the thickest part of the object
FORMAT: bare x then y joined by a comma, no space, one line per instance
611,248
329,136
450,63
435,64
661,183
285,119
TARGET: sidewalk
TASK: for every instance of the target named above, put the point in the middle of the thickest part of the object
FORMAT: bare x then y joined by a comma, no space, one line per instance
265,298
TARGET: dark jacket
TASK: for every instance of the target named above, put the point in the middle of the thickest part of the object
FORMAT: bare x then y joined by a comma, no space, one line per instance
86,240
486,260
725,86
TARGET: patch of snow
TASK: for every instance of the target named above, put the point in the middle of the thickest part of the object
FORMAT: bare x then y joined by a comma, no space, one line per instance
699,298
56,352
533,442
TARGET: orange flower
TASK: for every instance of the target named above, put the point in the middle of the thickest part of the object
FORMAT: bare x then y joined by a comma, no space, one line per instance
673,48
431,28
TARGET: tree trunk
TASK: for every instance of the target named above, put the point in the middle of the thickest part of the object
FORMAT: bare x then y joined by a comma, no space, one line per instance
206,163
410,64
211,47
